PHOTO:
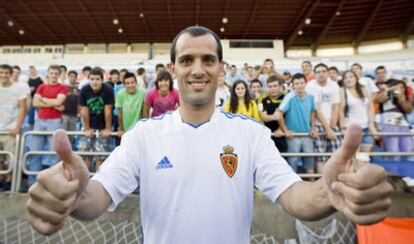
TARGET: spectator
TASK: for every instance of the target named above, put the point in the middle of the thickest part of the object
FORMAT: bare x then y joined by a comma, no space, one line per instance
365,81
268,106
49,99
34,82
307,70
130,103
63,72
223,91
300,112
241,102
250,75
233,75
327,101
142,78
96,103
122,74
23,83
13,110
268,69
163,97
393,116
86,71
381,74
114,78
357,108
70,114
334,74
158,69
256,90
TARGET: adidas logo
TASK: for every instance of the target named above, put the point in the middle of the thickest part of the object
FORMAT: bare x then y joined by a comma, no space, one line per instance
164,164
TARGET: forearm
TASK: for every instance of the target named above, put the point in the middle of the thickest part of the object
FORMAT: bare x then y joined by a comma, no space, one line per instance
22,114
313,120
265,117
93,202
307,200
108,118
85,117
52,102
335,116
120,123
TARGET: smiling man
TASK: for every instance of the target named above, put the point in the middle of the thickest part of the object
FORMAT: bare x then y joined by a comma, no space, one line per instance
197,168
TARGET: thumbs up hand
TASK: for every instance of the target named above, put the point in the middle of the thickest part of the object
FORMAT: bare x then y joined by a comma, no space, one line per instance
359,190
58,189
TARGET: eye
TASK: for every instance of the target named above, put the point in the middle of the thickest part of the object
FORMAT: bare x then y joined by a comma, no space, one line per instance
186,61
209,60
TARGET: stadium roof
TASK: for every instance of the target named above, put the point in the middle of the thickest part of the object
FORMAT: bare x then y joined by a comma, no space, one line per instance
297,22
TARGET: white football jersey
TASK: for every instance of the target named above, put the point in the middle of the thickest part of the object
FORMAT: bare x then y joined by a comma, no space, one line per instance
196,182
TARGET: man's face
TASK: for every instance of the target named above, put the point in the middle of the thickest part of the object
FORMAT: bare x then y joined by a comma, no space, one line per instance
95,82
72,78
121,75
86,74
233,71
357,70
306,68
32,71
197,69
5,76
299,86
16,74
159,69
256,87
333,75
268,66
321,74
131,85
53,75
115,77
62,71
273,88
250,71
381,75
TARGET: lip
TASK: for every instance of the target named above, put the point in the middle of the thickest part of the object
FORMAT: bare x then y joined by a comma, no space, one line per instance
198,85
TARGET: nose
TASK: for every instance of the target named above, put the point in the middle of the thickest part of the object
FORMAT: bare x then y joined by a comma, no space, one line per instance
197,70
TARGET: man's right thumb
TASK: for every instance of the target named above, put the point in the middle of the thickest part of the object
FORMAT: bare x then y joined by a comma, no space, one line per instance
62,146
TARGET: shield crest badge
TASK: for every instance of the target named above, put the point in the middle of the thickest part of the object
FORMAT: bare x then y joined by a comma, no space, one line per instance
229,160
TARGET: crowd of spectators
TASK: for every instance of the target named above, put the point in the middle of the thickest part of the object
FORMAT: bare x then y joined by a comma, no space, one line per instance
305,111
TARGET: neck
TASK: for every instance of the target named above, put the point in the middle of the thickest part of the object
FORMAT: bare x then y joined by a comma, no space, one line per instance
196,115
322,83
163,93
301,94
241,100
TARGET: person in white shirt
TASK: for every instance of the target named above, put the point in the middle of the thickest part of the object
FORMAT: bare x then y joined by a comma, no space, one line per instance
222,92
365,81
197,168
327,100
86,71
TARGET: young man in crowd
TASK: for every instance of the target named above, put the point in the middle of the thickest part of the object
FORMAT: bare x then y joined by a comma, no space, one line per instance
13,110
268,112
300,113
70,114
34,82
49,99
142,78
334,74
96,103
130,103
365,81
114,78
233,75
327,99
307,70
85,72
158,69
197,168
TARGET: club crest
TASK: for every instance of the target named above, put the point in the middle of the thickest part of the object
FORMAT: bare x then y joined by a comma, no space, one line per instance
229,160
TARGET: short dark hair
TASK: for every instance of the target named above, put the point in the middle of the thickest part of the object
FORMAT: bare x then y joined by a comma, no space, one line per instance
273,78
164,75
269,60
113,72
16,67
196,31
357,64
97,71
55,67
140,71
159,66
298,76
320,65
256,81
6,67
129,75
233,66
63,67
124,70
73,72
87,68
334,68
380,67
307,62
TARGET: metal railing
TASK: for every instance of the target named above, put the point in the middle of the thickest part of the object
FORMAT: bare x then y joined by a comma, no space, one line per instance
21,161
12,162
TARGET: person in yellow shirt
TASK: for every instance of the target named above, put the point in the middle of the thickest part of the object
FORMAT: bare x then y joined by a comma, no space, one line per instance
241,102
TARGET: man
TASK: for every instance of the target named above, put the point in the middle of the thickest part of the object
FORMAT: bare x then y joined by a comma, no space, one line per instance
197,168
268,112
48,99
70,114
63,79
130,103
327,101
300,113
233,75
249,75
307,70
141,78
114,78
256,90
268,69
22,81
34,82
158,69
96,103
381,74
85,72
334,74
13,110
365,81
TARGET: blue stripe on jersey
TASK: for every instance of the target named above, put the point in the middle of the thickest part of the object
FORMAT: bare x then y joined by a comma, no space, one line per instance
242,116
196,126
159,117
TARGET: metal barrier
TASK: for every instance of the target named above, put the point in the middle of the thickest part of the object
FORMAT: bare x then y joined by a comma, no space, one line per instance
22,157
12,164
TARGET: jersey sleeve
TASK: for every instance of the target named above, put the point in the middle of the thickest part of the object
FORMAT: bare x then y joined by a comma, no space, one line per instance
272,174
119,174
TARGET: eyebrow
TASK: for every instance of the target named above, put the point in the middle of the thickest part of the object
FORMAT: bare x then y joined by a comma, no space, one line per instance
203,56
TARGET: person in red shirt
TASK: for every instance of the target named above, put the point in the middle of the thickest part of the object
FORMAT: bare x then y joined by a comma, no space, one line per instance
49,100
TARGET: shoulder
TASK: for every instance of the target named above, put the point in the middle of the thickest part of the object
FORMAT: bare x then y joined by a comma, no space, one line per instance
157,124
240,121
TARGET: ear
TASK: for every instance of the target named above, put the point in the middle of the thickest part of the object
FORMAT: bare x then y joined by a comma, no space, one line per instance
222,65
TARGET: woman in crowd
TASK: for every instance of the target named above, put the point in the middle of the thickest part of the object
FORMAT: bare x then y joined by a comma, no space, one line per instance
241,102
357,108
163,97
